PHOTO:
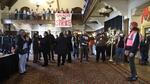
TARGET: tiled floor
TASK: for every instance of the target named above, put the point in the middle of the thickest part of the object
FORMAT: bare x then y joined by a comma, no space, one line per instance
79,73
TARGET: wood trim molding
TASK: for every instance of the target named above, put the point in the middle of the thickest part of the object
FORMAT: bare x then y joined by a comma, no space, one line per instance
58,5
94,3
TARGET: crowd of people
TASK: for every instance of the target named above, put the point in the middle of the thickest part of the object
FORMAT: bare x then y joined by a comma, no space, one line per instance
64,45
30,14
68,45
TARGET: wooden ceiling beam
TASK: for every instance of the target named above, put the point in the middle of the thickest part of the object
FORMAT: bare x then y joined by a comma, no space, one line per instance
97,16
8,3
91,9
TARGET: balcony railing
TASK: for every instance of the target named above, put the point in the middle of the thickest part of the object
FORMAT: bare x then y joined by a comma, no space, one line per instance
21,16
37,18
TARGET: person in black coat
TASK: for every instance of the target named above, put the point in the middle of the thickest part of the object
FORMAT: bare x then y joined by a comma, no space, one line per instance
40,47
52,44
69,46
61,48
144,48
35,47
45,48
101,40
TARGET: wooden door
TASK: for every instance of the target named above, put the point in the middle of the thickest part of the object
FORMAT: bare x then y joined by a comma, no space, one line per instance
126,26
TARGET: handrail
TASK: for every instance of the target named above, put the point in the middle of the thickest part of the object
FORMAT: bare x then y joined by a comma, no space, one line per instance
38,20
20,15
40,16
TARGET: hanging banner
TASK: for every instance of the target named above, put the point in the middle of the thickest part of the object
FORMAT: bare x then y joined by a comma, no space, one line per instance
146,14
63,19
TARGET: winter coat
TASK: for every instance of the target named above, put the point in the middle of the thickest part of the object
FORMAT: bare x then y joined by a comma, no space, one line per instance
101,40
136,42
84,39
69,43
61,45
20,43
45,42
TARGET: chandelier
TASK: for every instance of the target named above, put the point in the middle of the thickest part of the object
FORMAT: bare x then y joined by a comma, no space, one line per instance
105,11
49,2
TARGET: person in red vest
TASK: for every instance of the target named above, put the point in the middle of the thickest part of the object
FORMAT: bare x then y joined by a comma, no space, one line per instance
133,41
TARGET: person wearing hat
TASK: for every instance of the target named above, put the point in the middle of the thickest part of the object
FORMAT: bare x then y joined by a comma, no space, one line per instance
132,44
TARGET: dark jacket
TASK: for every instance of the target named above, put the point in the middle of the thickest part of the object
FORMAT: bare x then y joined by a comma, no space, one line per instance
101,40
120,43
45,44
40,44
61,45
69,43
52,41
144,46
75,42
136,43
29,42
84,40
35,44
20,42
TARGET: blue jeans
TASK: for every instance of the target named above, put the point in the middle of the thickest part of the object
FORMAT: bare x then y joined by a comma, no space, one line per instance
119,55
22,62
132,66
76,52
84,52
144,57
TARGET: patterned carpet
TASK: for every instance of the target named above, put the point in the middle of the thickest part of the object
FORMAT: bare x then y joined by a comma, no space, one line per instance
75,73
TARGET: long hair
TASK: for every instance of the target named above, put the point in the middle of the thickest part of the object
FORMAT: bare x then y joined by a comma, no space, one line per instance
61,34
69,33
21,31
135,29
45,33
